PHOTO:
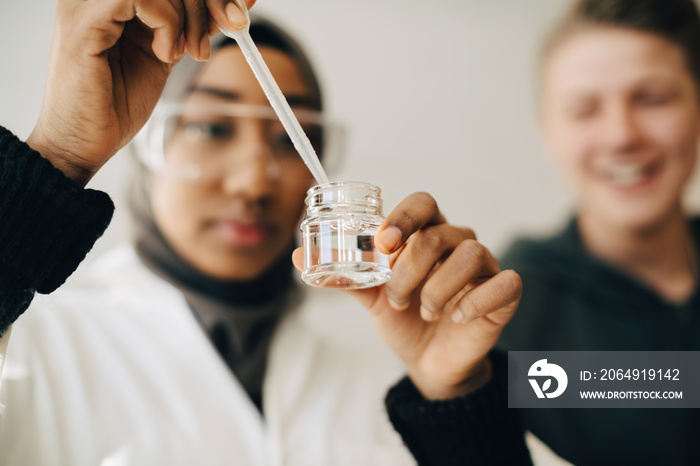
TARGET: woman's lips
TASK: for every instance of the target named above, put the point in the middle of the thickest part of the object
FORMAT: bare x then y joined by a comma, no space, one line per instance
243,234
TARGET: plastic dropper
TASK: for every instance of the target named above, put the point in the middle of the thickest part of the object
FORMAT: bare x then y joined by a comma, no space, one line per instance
274,95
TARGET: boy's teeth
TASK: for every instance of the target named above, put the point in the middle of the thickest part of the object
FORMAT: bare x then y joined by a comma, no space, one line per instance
627,175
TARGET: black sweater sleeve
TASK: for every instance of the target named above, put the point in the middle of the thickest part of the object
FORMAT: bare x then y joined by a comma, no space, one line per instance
47,226
474,430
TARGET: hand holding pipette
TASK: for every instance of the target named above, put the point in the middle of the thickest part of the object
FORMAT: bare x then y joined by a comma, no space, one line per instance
93,104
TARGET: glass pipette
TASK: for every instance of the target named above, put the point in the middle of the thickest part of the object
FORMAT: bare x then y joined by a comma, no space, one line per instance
274,95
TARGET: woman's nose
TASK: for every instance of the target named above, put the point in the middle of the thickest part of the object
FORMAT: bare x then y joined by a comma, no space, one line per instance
253,170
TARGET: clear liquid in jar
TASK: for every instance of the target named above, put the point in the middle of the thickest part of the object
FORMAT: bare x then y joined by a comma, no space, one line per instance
343,255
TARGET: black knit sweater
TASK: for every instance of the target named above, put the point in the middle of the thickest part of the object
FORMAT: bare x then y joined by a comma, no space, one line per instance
477,429
47,226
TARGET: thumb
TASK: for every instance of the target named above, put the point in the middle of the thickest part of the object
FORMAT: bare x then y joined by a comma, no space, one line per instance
367,297
298,259
228,13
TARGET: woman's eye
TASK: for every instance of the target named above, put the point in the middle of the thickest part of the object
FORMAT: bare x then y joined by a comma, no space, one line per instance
315,135
207,130
282,143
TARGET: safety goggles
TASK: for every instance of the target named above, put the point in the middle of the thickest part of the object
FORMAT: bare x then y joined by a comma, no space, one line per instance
202,142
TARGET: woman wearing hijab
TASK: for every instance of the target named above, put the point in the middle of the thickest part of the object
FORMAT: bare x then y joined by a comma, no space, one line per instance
192,347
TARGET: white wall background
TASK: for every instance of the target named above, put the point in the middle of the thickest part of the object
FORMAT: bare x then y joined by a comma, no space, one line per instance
438,96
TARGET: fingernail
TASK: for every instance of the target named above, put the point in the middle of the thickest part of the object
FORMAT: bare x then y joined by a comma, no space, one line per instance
427,314
204,49
395,305
172,51
389,238
235,16
180,50
457,317
181,44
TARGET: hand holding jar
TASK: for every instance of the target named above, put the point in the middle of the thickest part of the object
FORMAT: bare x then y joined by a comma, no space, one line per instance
447,300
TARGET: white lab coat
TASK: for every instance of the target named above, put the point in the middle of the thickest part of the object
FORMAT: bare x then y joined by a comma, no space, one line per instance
113,369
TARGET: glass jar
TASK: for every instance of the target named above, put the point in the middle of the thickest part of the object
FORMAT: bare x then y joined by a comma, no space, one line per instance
342,219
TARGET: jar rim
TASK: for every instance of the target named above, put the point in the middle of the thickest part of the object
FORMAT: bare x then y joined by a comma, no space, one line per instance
339,184
333,193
